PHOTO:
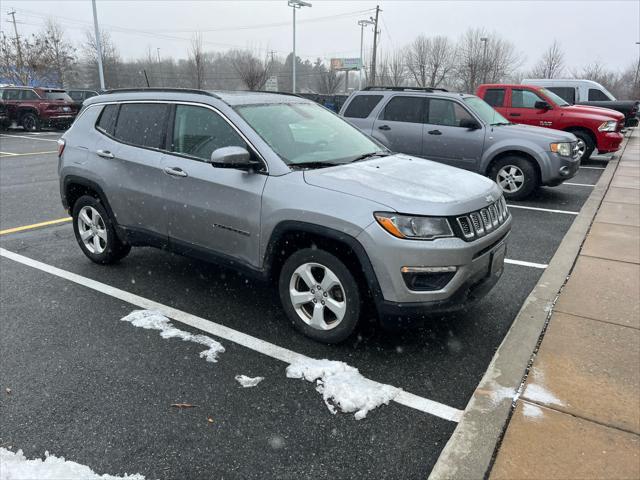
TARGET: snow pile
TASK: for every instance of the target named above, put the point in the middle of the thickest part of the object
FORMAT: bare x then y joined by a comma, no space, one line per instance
247,382
342,387
15,466
156,321
532,411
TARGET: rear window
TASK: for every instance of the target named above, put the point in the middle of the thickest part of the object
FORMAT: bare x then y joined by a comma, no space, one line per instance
404,109
107,121
361,106
142,124
57,95
494,97
596,95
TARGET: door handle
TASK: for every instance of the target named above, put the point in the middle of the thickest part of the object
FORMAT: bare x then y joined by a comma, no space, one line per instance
434,132
175,172
384,127
104,153
514,114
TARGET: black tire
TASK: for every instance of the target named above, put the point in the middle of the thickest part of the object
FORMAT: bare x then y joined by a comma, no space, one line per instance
348,287
113,249
589,144
30,122
522,166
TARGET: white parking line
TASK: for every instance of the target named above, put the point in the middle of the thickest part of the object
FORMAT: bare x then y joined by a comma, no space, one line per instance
538,209
261,346
30,137
525,264
579,184
8,154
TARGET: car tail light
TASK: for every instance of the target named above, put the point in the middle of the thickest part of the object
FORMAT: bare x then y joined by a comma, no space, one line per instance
61,145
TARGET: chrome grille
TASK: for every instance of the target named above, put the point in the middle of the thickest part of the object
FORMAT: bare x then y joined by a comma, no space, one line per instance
481,222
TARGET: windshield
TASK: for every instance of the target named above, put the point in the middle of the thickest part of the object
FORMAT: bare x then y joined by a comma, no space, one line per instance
302,133
485,111
554,98
59,95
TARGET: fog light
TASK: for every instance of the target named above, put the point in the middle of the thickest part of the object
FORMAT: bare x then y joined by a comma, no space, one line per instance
427,279
564,171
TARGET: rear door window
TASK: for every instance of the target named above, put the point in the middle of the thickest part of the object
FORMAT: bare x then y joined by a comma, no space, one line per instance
494,97
524,98
142,124
596,95
362,105
107,121
11,95
404,109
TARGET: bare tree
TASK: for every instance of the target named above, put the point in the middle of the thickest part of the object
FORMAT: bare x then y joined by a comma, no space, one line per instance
430,60
21,60
58,54
111,61
196,56
252,71
551,65
397,68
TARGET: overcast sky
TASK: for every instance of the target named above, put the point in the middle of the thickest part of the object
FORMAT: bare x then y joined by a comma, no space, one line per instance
602,30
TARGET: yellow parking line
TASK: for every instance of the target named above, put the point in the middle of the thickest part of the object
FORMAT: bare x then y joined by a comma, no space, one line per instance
35,225
10,154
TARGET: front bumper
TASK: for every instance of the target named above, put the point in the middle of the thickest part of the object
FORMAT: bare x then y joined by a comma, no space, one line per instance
474,276
561,169
609,142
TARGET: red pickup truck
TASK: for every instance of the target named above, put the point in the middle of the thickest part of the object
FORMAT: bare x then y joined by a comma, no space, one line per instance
595,127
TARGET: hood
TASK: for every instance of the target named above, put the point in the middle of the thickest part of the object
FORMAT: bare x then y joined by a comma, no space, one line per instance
409,185
533,133
599,112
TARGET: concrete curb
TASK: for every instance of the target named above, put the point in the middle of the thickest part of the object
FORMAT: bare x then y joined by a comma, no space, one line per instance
469,452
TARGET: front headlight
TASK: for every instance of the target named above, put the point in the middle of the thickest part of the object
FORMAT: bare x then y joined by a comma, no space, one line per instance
609,126
562,149
414,227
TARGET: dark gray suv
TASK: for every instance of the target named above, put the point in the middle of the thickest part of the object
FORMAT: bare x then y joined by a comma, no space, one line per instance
466,132
283,189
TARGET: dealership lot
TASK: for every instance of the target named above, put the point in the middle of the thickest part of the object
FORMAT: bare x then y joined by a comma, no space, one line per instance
99,391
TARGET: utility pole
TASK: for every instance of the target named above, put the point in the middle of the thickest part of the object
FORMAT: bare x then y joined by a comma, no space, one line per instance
637,76
158,50
295,5
375,45
98,44
362,24
18,47
484,59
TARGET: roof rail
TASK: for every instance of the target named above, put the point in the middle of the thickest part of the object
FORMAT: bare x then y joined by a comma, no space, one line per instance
161,89
403,89
275,93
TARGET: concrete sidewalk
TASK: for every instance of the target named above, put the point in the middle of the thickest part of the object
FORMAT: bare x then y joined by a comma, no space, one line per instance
579,414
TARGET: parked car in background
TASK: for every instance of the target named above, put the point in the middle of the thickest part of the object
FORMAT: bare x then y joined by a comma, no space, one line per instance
34,108
587,92
463,131
283,189
5,122
79,95
595,127
332,102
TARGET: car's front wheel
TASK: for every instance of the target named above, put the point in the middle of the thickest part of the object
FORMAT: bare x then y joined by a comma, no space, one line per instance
319,295
95,232
516,176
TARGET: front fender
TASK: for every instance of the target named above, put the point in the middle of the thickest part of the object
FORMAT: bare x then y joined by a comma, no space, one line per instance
526,147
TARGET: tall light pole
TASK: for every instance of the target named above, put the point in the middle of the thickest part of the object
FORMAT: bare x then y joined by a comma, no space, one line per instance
484,59
295,5
637,76
98,44
362,23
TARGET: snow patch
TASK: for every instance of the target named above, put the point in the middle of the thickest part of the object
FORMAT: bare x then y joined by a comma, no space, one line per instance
532,411
342,386
152,320
539,394
247,382
15,466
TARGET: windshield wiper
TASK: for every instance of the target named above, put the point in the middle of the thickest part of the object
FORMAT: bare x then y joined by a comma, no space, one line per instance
502,123
310,165
370,155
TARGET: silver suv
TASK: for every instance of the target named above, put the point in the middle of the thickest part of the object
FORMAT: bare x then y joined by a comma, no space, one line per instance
466,132
281,188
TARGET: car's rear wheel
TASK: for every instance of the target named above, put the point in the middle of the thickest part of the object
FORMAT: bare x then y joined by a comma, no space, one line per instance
95,232
30,122
516,176
586,145
319,295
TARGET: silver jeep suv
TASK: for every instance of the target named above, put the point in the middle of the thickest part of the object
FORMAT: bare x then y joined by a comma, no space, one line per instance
466,132
283,189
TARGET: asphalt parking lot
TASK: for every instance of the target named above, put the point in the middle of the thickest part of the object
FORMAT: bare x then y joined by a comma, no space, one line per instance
86,386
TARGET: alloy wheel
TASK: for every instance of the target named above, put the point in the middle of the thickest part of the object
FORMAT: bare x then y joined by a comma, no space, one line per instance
510,178
317,296
29,123
92,230
582,148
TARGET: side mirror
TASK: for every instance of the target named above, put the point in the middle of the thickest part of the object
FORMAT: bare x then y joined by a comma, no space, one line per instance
470,124
542,106
230,157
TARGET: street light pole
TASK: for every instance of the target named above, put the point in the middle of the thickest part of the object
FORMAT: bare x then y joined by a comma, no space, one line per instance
295,4
637,76
484,59
362,23
98,44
